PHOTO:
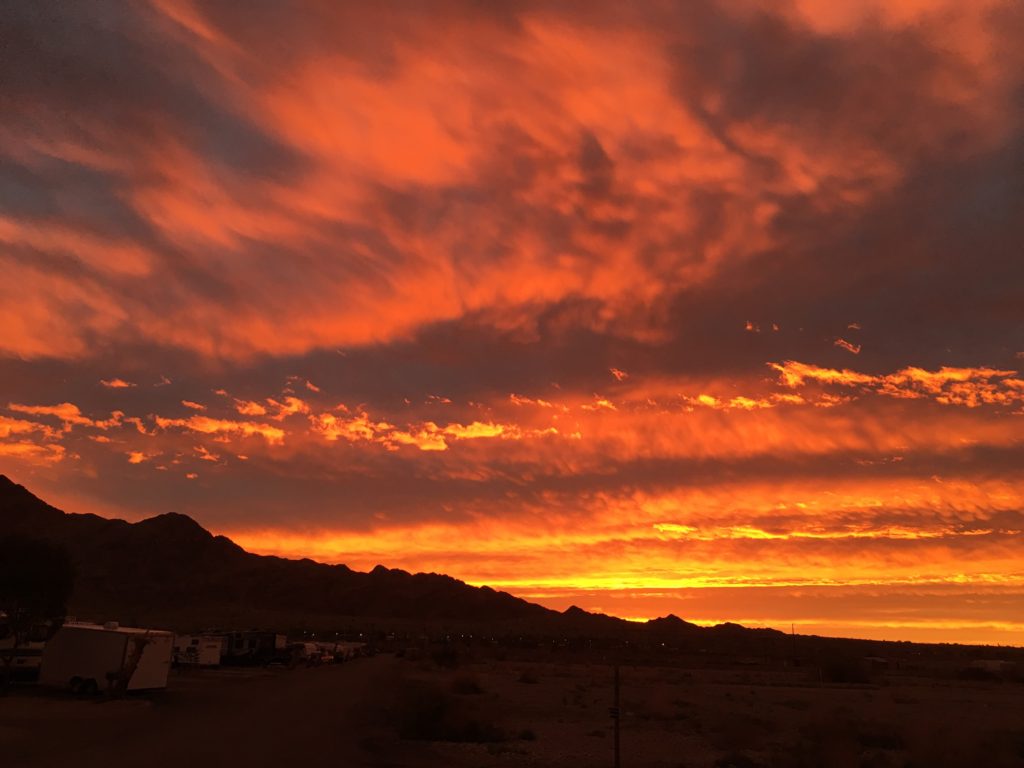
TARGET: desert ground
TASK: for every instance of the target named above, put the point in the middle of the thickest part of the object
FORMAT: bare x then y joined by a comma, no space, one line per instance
423,709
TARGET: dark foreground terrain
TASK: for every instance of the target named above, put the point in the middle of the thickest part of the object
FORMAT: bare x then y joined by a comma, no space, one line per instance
482,711
245,716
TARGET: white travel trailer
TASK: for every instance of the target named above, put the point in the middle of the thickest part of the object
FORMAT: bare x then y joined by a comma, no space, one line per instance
200,650
90,657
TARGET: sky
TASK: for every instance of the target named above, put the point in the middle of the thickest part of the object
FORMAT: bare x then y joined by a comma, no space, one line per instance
707,307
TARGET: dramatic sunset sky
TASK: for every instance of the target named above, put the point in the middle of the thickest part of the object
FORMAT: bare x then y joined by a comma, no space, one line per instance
708,307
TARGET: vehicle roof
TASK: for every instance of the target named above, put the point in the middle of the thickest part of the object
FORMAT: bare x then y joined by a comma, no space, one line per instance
118,629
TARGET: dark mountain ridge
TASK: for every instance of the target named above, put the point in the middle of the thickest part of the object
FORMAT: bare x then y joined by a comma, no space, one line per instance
170,565
171,571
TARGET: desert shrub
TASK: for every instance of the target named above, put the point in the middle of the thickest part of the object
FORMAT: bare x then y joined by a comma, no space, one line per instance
476,731
505,749
878,759
424,712
529,677
445,656
800,705
956,747
466,685
975,673
879,736
738,730
737,760
816,754
837,738
527,734
656,705
843,669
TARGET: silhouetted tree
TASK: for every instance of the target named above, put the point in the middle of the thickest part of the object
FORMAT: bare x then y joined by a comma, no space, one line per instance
36,579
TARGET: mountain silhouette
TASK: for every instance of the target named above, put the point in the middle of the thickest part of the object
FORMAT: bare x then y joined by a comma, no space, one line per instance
170,570
169,567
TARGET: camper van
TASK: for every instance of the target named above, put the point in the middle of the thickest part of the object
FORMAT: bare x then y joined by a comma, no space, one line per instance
254,647
199,650
88,658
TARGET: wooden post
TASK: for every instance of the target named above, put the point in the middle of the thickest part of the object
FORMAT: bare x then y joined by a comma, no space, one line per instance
617,716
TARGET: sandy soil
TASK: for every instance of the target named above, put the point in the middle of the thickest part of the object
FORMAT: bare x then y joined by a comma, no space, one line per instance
521,713
308,717
715,718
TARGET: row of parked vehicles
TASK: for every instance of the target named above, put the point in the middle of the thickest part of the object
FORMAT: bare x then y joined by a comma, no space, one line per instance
89,658
256,647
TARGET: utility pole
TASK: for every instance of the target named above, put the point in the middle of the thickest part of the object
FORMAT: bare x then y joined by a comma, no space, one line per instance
615,713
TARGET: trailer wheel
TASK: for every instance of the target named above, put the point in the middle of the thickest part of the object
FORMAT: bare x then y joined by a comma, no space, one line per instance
75,684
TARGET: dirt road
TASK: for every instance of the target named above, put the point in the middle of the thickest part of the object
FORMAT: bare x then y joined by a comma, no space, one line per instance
324,716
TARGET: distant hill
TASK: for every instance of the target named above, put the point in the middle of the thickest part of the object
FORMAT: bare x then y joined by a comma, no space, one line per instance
168,570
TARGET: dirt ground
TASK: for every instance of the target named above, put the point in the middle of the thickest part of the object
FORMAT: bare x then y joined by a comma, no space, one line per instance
697,718
252,717
389,711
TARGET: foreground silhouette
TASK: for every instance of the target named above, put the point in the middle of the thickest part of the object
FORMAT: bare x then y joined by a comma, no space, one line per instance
461,676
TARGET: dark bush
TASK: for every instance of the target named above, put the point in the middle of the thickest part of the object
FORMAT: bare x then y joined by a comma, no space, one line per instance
527,676
844,669
422,712
446,656
425,712
466,685
879,736
477,732
737,760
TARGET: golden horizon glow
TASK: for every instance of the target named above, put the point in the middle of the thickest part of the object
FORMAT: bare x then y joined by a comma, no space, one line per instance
602,299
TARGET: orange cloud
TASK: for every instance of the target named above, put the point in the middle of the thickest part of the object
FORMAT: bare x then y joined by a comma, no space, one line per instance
427,435
210,426
9,427
250,408
608,223
68,413
33,453
289,407
969,387
204,455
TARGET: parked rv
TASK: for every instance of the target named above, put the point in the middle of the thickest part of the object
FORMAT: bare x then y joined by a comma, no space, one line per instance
254,647
21,659
328,652
306,653
88,658
199,650
346,651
